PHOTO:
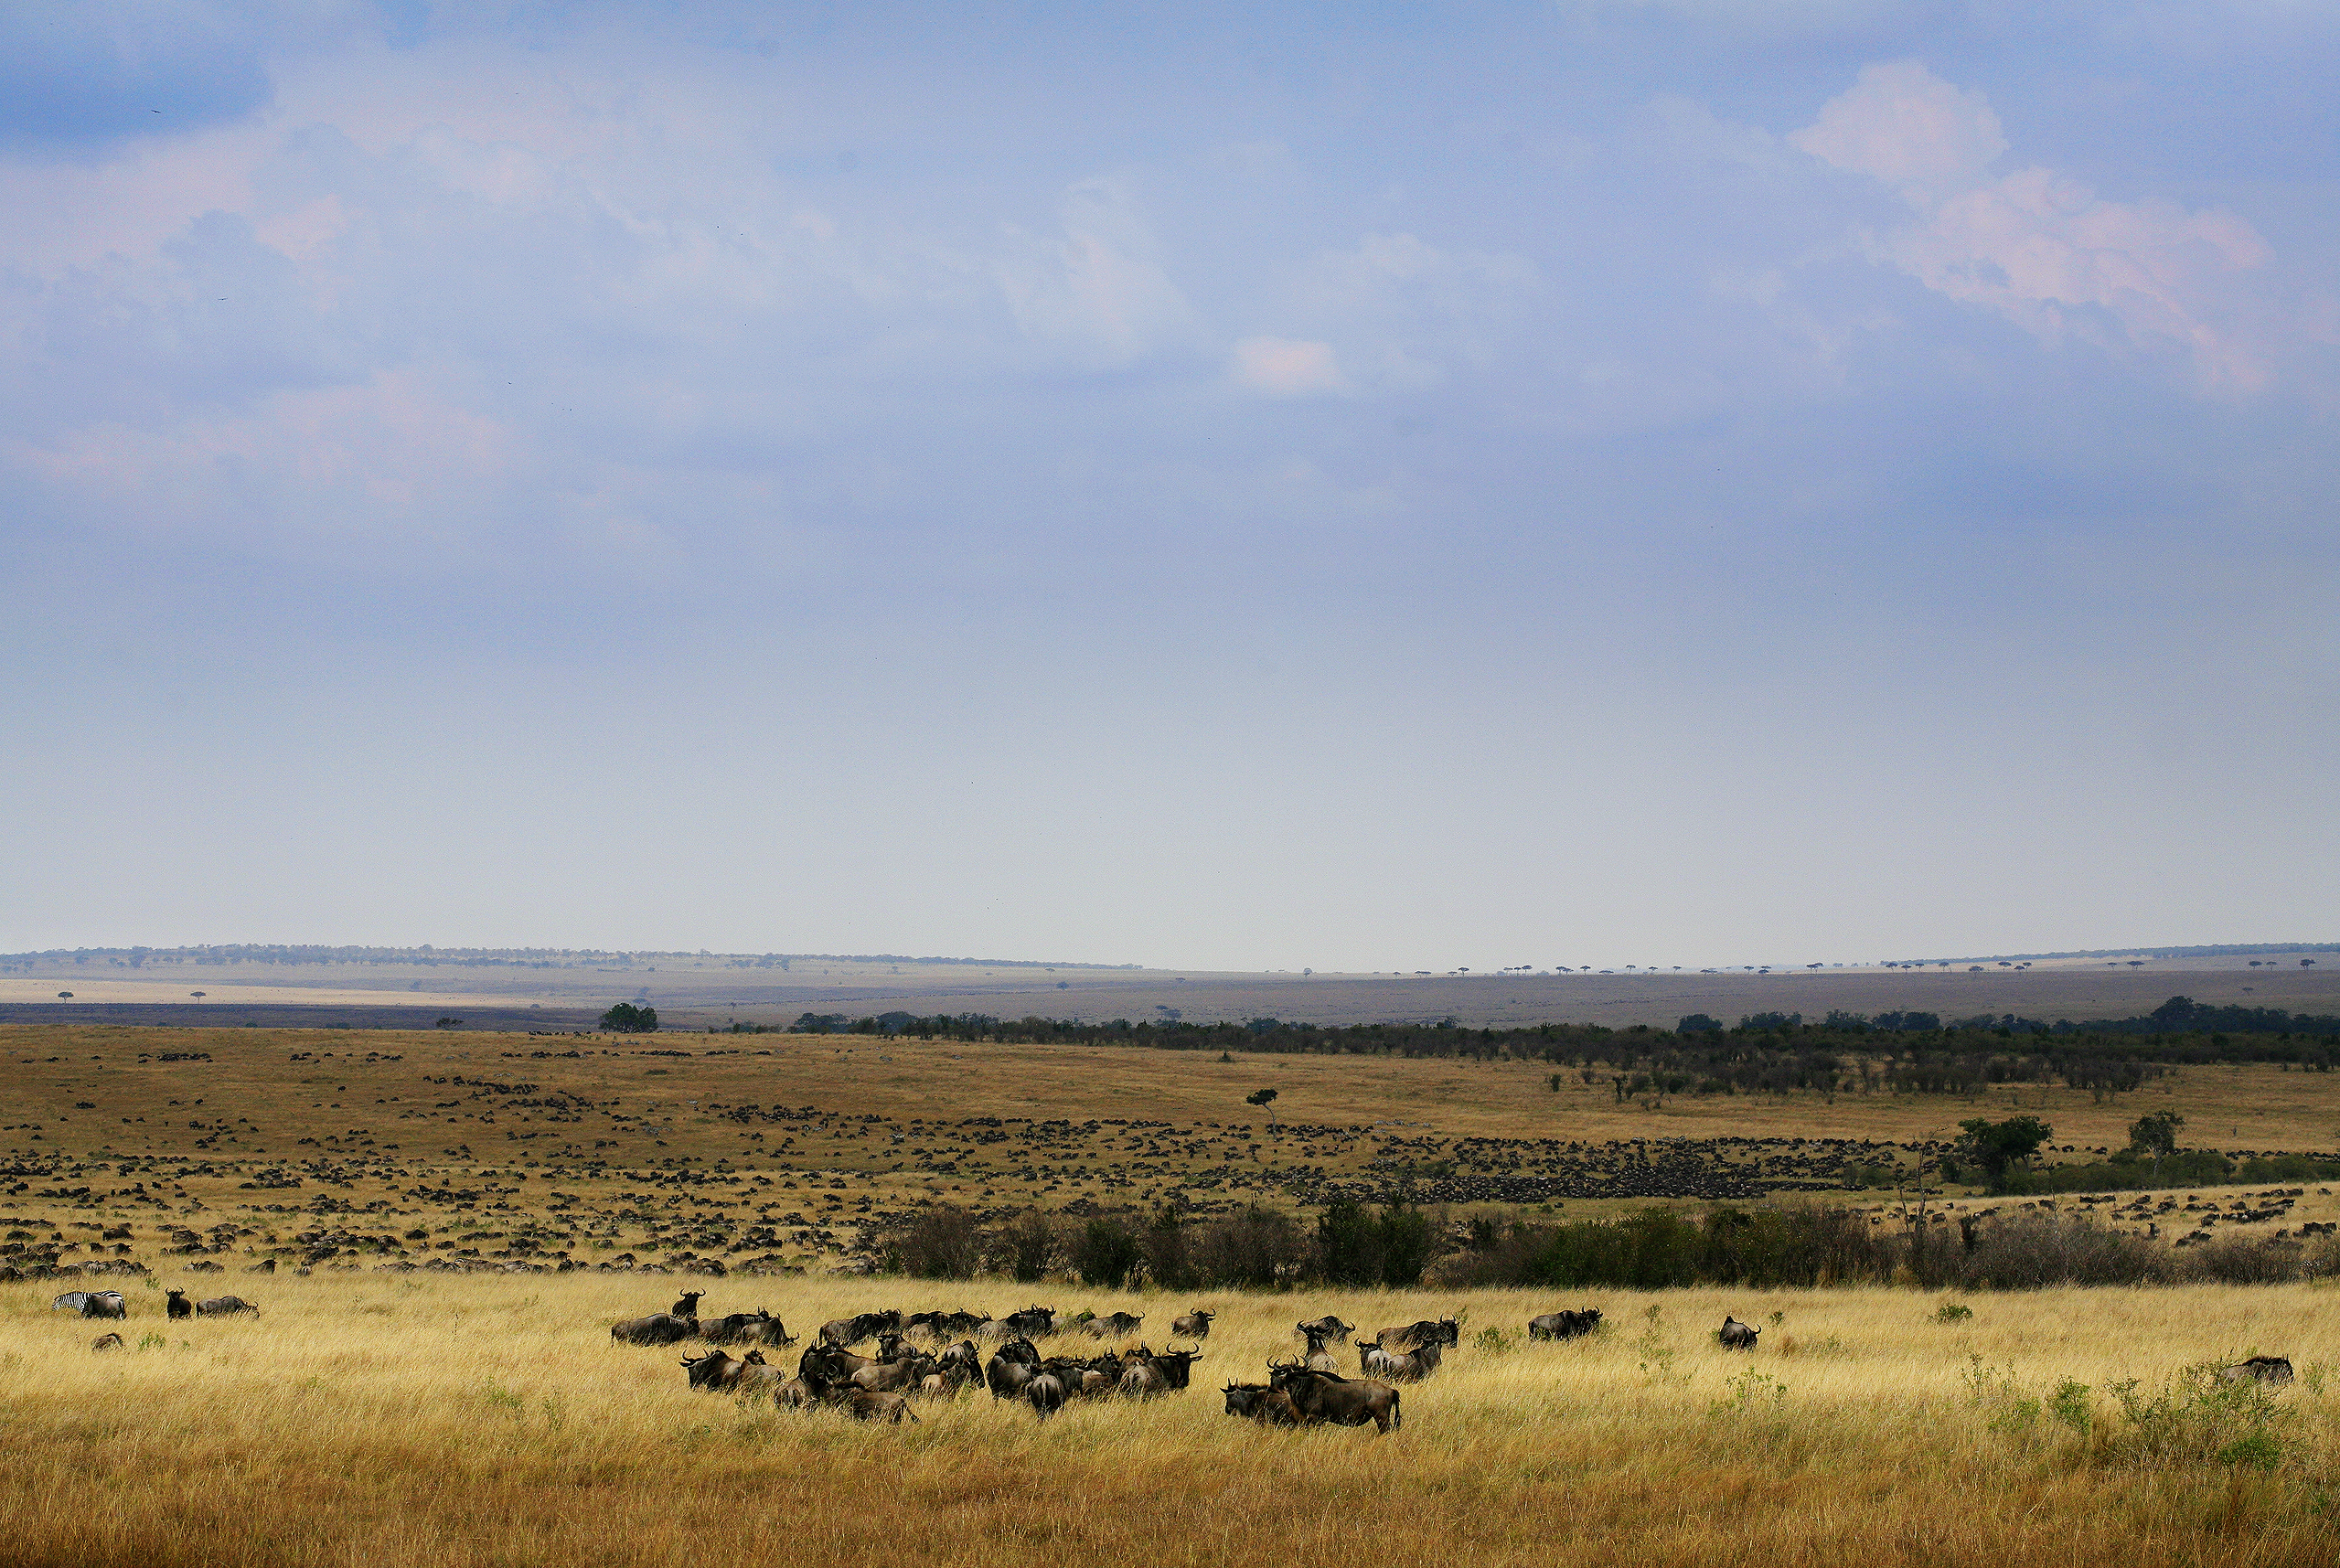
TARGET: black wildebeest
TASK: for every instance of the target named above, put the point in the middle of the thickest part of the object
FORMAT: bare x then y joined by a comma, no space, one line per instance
1263,1402
93,1303
1194,1325
1329,1326
223,1305
1031,1323
177,1304
1734,1335
1113,1326
2258,1368
658,1329
686,1305
1563,1324
1399,1366
1330,1397
1429,1332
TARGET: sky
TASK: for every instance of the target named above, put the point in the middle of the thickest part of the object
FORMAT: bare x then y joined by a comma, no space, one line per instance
1236,486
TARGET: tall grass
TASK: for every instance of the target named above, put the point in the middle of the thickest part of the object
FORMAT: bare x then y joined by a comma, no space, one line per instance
426,1421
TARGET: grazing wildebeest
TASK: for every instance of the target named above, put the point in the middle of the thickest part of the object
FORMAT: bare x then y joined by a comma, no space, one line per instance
1328,1396
1429,1332
1399,1366
93,1303
658,1329
1329,1326
1268,1405
1015,1363
2258,1368
1734,1335
106,1342
177,1304
1314,1350
1113,1326
1194,1325
1563,1324
686,1305
222,1306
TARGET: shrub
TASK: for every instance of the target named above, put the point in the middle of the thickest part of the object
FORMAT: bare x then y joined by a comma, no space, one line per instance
2026,1251
940,1243
1105,1251
1258,1248
1026,1247
1167,1256
2247,1260
1356,1248
2199,1418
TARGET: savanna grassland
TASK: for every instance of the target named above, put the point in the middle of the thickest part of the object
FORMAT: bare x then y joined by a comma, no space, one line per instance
474,1211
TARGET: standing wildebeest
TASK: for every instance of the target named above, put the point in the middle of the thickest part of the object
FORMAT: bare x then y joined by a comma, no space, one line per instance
222,1306
1329,1326
1194,1325
1147,1373
1016,1363
1113,1326
1563,1324
177,1304
1032,1322
1268,1405
106,1342
1734,1335
2258,1368
1399,1366
688,1304
658,1329
1328,1396
1412,1336
1314,1351
93,1303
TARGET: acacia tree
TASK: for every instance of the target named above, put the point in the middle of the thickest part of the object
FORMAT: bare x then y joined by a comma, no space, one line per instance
2155,1135
627,1019
1998,1147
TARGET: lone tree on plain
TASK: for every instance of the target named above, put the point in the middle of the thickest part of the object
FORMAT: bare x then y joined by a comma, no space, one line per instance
1997,1146
1265,1099
2155,1135
627,1019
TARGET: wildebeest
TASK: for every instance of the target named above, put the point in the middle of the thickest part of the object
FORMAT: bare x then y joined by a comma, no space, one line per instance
757,1327
658,1329
1044,1391
813,1370
1328,1326
106,1342
93,1303
1194,1325
1148,1374
1314,1351
1031,1323
860,1326
177,1304
1429,1332
1399,1366
1263,1402
223,1305
1734,1335
1113,1326
1328,1396
717,1372
1014,1364
686,1305
2258,1368
1563,1324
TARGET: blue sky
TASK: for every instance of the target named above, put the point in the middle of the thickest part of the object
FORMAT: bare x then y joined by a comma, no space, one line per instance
1248,487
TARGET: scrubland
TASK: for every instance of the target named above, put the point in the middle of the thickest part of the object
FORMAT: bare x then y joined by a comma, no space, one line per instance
420,1419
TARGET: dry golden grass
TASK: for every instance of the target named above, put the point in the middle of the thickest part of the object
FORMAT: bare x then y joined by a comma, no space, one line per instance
390,1421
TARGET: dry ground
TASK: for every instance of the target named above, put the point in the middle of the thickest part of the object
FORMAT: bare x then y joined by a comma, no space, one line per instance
389,1421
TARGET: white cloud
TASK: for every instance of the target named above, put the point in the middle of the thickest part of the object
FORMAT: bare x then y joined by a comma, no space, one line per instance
1287,366
2038,246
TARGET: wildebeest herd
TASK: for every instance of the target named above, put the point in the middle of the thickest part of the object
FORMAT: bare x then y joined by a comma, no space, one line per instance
936,1354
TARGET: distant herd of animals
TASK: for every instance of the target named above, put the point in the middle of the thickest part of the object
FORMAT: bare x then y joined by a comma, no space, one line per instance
1309,1390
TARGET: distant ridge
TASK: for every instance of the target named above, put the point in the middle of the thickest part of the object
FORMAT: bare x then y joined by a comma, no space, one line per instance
427,956
2215,950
